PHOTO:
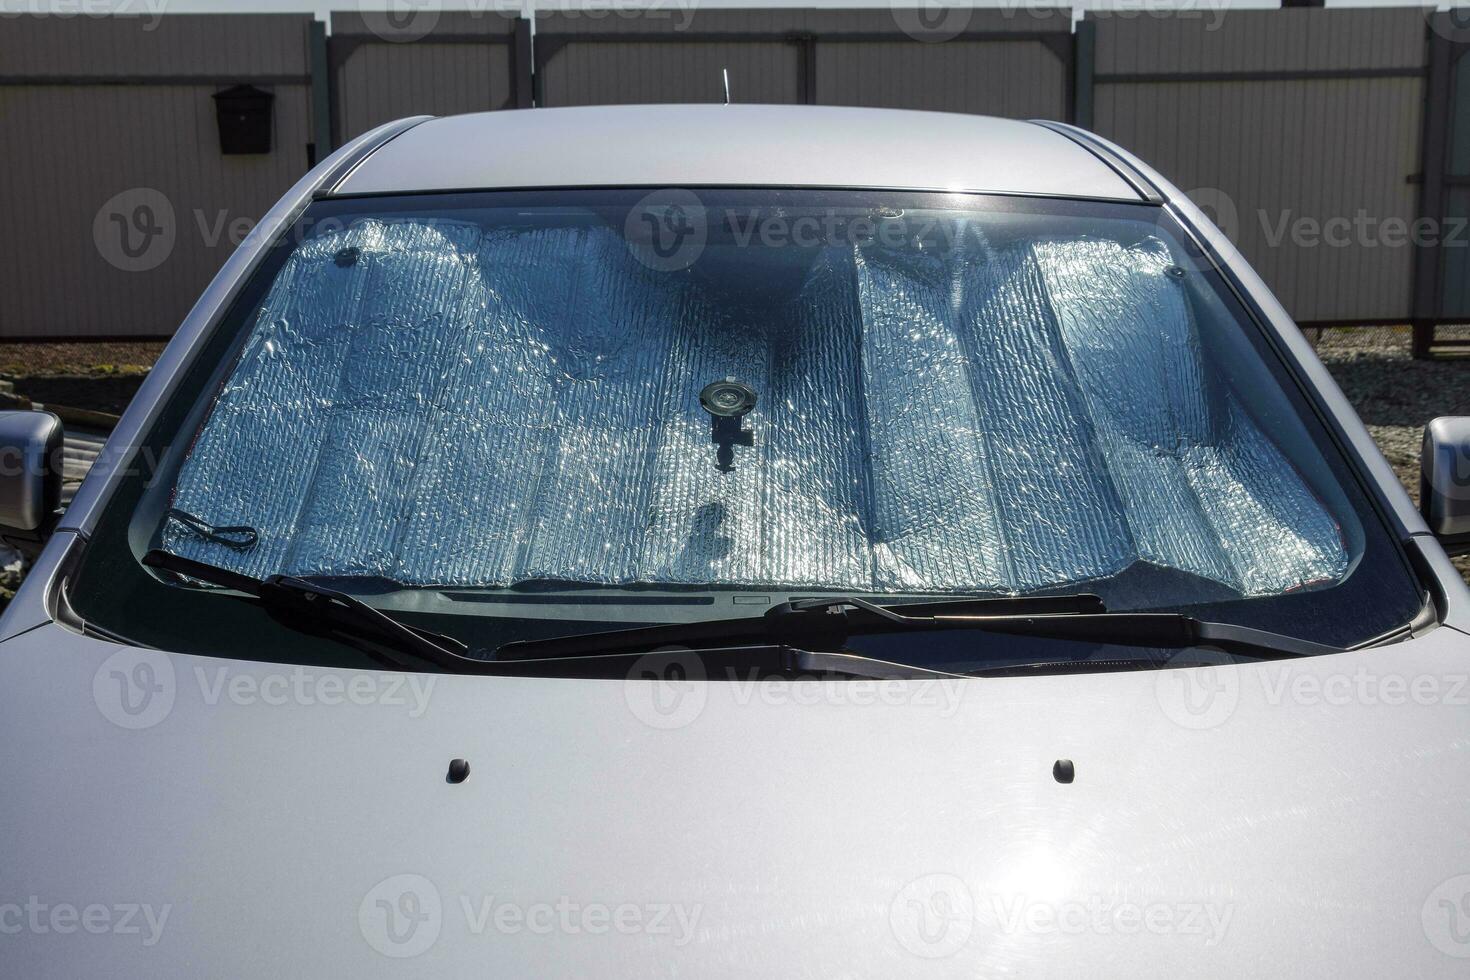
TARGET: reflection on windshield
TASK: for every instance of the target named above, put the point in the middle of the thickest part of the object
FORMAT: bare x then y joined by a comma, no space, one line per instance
469,403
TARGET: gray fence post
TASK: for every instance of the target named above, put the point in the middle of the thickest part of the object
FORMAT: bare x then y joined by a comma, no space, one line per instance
1084,53
806,67
522,67
321,93
1434,163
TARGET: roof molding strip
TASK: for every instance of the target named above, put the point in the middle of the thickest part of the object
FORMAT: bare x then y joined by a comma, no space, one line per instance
1130,175
360,153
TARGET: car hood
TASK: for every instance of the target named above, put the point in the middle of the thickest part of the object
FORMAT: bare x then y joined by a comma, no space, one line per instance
170,815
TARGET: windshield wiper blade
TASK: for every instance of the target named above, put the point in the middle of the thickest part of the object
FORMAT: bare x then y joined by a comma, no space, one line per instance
826,623
339,613
819,624
336,613
325,610
716,663
1084,666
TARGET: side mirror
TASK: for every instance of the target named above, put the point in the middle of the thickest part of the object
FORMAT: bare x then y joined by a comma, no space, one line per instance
30,474
1444,487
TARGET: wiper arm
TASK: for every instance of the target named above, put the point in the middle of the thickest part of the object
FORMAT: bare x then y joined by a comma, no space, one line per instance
811,624
1110,665
1165,630
326,610
317,608
758,661
1161,630
826,624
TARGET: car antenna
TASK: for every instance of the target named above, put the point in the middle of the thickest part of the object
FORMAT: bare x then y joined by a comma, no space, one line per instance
725,72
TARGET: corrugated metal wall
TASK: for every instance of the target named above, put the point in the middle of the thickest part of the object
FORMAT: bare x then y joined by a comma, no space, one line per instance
463,62
1282,120
1287,118
1013,63
95,108
1007,63
673,57
1445,279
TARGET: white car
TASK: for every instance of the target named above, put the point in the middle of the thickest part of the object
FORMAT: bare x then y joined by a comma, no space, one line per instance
725,541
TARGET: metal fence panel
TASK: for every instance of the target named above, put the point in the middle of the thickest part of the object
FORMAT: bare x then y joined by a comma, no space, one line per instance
603,57
120,205
1300,129
1011,62
1442,286
1004,62
460,62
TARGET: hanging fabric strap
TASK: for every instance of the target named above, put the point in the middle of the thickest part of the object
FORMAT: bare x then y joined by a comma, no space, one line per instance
238,536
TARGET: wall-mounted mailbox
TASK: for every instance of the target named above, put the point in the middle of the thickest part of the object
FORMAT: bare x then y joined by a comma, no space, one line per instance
244,115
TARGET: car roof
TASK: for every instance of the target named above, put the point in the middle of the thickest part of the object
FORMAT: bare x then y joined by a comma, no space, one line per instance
735,145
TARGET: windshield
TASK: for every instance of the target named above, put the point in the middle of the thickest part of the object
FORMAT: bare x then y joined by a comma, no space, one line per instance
537,414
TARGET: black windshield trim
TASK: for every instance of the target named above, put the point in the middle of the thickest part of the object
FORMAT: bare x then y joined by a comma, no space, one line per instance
112,589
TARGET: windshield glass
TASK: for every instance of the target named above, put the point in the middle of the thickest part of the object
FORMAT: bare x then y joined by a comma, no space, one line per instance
594,408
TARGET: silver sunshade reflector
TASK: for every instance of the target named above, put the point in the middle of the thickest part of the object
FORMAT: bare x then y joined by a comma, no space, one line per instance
441,405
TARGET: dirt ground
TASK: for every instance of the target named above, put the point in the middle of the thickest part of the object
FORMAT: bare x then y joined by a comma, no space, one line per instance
1394,394
45,360
100,377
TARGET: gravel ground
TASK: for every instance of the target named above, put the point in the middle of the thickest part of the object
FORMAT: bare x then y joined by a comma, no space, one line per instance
1394,394
9,574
